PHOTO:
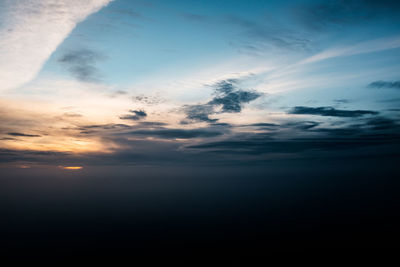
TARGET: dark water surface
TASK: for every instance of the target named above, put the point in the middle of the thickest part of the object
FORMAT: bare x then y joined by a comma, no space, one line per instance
293,205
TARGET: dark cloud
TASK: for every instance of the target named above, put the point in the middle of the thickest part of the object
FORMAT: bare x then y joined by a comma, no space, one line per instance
227,96
261,124
23,134
165,133
304,125
199,112
217,144
137,115
8,155
152,124
330,111
382,123
384,84
230,99
82,64
374,132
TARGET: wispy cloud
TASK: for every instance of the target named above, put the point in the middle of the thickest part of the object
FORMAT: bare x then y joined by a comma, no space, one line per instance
385,84
356,49
82,64
32,30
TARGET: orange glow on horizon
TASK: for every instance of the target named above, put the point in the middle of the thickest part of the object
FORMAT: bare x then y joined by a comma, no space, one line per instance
71,168
24,167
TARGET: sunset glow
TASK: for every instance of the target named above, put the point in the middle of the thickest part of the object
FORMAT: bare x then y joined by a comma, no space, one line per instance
178,124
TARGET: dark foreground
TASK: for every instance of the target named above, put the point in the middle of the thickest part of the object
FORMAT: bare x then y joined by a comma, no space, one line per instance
295,205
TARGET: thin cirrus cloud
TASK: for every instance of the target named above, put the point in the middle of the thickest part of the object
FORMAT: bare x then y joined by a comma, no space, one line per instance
32,30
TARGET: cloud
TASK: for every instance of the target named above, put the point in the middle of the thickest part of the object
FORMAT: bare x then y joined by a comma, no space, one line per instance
375,45
165,133
9,155
150,143
227,96
304,125
330,111
138,115
375,132
23,134
148,100
199,112
261,125
151,124
81,64
385,84
382,123
31,30
230,99
146,129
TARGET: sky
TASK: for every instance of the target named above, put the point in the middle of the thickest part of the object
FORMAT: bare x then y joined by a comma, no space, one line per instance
131,123
147,82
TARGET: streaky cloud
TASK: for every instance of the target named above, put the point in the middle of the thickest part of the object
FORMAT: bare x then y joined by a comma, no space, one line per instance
31,30
165,133
23,134
330,111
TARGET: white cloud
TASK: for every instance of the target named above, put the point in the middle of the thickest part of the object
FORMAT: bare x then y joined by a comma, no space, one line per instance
360,48
31,30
